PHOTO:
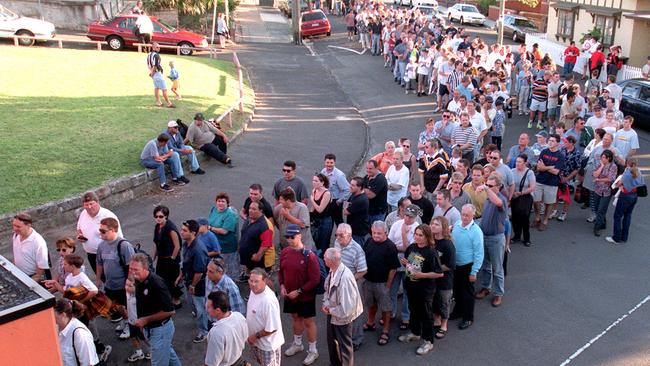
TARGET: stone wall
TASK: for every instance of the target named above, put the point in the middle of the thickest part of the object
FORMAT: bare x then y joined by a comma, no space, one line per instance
69,14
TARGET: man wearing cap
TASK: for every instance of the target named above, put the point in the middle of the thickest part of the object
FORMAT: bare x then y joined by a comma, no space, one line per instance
175,143
299,276
207,138
195,262
209,239
256,238
30,249
538,146
597,119
156,154
88,226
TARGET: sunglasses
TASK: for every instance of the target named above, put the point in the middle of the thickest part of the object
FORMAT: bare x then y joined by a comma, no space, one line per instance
103,231
61,249
491,185
289,236
407,146
159,216
445,116
493,158
287,170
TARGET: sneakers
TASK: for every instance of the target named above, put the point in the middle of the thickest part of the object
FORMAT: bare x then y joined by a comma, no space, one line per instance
229,163
165,188
199,338
553,214
137,355
611,240
180,181
562,217
116,318
591,218
311,357
425,348
126,334
436,110
540,126
107,351
295,348
521,113
121,325
406,338
198,171
530,124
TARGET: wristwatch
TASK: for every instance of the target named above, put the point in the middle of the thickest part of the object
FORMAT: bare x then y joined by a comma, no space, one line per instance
258,335
299,290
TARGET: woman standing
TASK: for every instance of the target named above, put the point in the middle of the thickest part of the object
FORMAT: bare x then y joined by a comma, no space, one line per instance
223,221
75,340
167,240
319,213
628,185
410,160
522,199
422,269
604,175
444,285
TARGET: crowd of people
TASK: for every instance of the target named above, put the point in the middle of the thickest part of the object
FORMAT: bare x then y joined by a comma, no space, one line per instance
426,223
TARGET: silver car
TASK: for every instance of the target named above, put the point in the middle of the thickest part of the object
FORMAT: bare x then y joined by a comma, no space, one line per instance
516,27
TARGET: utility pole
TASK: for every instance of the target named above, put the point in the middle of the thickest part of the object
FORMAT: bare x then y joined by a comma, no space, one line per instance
295,21
502,13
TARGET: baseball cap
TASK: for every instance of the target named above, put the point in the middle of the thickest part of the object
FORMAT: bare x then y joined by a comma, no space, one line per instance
171,124
543,134
199,116
413,211
292,229
202,221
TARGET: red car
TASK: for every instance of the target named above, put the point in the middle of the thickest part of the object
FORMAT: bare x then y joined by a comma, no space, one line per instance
314,22
118,33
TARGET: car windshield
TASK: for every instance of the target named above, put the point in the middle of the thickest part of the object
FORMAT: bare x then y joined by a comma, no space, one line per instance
169,27
470,9
6,13
426,11
313,16
524,23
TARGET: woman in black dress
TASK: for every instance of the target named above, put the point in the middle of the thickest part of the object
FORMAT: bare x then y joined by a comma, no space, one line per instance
167,252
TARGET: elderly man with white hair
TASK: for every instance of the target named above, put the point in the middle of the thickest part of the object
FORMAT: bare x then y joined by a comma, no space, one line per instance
342,305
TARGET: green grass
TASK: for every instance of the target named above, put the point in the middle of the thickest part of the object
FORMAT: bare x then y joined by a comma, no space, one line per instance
73,119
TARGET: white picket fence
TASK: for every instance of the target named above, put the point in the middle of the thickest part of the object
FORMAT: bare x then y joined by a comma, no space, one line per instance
556,51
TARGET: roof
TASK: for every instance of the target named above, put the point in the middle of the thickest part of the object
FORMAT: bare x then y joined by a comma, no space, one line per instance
601,10
564,5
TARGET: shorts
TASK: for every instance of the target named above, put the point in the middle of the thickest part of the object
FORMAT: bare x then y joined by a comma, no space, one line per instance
377,294
159,82
545,193
118,296
554,112
443,90
267,358
386,48
442,303
537,106
175,84
304,309
136,332
351,29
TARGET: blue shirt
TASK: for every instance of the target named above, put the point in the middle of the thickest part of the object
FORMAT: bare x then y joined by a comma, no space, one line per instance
227,285
173,74
465,92
210,241
469,245
195,261
339,185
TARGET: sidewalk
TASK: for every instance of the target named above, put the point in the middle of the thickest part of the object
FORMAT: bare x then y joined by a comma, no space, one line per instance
261,24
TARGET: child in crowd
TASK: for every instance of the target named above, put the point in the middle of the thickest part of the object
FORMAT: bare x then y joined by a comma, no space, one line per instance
72,264
410,76
174,76
135,333
498,123
456,155
64,246
424,69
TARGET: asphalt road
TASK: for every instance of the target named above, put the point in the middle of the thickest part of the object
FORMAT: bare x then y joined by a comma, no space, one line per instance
560,294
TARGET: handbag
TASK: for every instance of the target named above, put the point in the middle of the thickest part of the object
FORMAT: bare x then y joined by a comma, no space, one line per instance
642,191
524,202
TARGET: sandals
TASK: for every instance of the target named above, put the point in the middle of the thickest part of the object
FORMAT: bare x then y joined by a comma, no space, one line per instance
404,326
441,333
384,338
369,327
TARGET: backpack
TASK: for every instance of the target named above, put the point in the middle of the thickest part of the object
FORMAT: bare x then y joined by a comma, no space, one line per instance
320,289
137,249
182,128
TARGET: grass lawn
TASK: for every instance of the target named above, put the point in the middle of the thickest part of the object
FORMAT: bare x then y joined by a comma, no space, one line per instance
74,119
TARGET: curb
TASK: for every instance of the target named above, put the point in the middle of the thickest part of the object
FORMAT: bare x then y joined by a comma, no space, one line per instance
112,193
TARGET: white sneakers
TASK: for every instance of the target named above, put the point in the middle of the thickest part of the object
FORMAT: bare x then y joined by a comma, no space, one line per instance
406,338
126,334
311,357
425,348
137,355
295,348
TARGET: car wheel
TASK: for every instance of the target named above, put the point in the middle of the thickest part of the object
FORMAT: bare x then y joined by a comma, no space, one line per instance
329,34
514,36
186,48
25,41
115,43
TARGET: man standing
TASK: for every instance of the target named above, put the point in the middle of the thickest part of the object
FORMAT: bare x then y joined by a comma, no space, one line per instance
155,310
433,167
209,139
445,208
290,180
195,261
353,257
288,211
521,148
339,186
88,226
263,320
468,240
549,166
156,154
256,238
471,188
218,280
342,305
416,197
356,212
176,144
381,256
156,73
299,276
228,335
465,136
255,195
495,214
626,139
504,171
571,54
538,102
30,249
145,28
376,188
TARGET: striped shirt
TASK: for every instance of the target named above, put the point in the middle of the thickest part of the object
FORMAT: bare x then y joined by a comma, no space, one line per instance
153,60
352,256
463,136
540,89
454,80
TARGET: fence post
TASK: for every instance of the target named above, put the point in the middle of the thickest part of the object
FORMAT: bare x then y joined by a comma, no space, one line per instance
230,119
178,51
60,43
139,48
16,41
99,45
240,76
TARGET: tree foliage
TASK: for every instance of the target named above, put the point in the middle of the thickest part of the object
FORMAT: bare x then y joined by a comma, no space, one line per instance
183,6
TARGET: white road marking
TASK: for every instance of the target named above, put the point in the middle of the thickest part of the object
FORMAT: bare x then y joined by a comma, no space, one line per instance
348,49
594,339
309,46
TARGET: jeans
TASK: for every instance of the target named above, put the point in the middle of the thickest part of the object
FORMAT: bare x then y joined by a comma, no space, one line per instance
394,288
174,162
522,99
321,232
160,341
375,44
198,303
194,163
568,68
492,268
601,204
401,67
623,216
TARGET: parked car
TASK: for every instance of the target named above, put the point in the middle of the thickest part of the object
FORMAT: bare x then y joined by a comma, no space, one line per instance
431,13
313,23
516,27
430,3
636,101
286,6
12,24
465,13
118,33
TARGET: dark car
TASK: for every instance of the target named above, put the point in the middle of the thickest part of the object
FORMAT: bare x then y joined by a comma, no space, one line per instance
516,27
636,101
118,33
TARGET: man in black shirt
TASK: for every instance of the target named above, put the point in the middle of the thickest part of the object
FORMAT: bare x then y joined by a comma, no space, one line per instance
433,167
255,195
356,210
155,310
376,188
416,197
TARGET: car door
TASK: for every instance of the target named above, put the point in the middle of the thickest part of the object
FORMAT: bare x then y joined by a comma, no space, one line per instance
125,29
644,107
630,103
162,35
507,26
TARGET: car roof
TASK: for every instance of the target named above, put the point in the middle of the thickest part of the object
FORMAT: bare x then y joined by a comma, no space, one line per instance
637,80
517,16
312,11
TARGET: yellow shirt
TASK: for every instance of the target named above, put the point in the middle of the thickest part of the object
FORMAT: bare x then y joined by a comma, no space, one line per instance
478,199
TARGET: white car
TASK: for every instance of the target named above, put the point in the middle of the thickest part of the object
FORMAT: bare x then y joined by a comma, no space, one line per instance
13,24
431,13
465,13
429,3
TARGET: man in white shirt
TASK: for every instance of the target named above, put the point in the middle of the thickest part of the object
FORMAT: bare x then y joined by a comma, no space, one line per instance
263,320
227,337
88,226
30,249
478,122
626,139
615,91
645,70
597,119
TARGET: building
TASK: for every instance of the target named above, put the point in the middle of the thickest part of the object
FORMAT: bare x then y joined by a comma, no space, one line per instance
622,22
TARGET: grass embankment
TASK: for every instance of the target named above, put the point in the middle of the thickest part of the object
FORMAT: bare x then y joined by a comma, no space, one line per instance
74,119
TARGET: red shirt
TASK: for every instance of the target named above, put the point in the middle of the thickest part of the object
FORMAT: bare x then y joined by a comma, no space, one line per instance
299,271
595,57
568,57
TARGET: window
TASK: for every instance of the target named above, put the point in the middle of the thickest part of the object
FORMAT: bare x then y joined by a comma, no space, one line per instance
645,94
128,23
631,90
157,28
606,26
313,16
565,23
